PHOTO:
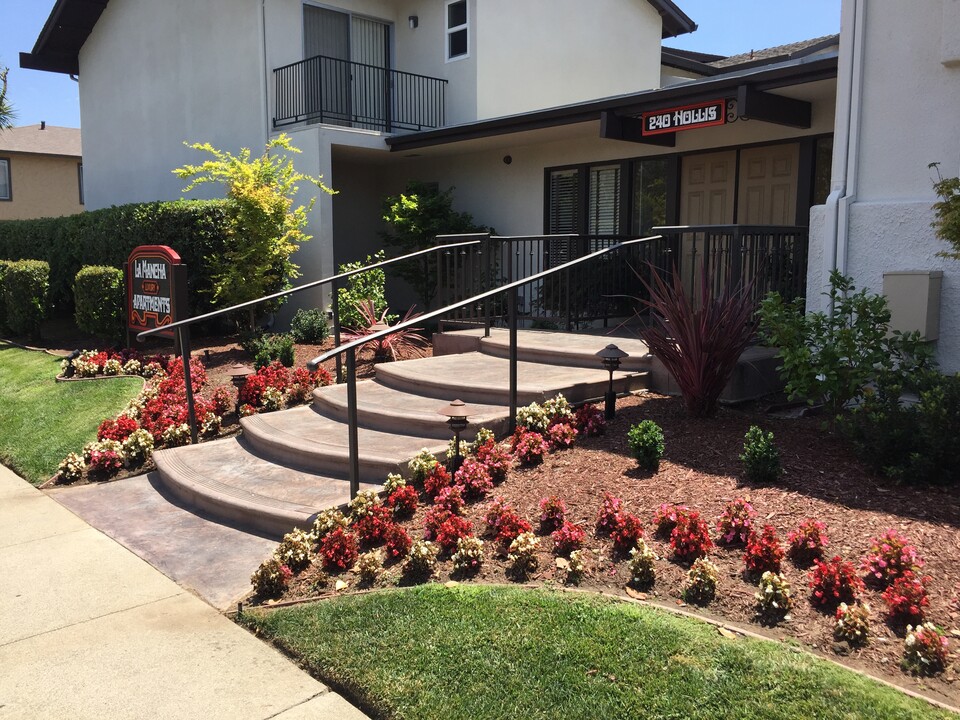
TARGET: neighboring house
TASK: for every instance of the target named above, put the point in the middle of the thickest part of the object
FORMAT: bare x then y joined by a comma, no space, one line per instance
898,109
41,172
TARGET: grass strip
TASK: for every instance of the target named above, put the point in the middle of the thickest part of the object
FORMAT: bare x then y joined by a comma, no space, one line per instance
42,420
497,652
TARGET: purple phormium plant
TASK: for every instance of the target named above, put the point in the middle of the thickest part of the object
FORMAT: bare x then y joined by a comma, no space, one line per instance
699,347
406,341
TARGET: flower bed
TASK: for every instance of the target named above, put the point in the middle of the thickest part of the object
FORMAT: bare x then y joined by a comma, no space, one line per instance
825,494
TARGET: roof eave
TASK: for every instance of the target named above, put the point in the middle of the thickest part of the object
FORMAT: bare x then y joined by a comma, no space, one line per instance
767,78
65,31
675,21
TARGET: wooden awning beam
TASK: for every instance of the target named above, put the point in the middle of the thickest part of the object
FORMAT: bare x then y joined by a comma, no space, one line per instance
754,104
630,129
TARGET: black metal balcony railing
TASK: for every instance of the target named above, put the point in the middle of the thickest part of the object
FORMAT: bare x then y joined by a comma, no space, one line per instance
340,92
609,288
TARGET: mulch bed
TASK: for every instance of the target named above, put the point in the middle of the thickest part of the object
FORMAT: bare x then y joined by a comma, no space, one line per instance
701,469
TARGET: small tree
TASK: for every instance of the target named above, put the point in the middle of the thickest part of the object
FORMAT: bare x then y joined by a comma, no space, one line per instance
264,227
361,288
417,216
7,114
947,209
832,356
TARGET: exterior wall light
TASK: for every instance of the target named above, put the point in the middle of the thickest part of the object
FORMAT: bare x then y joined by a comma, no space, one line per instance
414,21
611,356
456,414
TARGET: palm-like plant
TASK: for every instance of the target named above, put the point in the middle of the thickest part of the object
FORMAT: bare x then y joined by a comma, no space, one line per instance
699,347
6,109
407,341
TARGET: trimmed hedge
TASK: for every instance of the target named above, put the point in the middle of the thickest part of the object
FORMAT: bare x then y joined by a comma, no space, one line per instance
98,301
25,286
196,229
4,265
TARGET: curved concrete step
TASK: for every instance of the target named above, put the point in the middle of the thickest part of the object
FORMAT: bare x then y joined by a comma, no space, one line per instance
555,348
303,438
380,407
481,378
230,482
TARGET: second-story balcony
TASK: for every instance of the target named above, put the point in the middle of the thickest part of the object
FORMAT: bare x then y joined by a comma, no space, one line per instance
329,90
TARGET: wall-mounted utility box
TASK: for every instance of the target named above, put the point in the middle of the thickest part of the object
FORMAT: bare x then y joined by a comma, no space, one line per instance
914,300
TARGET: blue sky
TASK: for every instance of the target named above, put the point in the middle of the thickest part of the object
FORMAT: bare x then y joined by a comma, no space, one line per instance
727,27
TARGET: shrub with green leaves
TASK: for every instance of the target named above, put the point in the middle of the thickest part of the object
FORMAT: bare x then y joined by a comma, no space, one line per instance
646,444
98,300
310,326
760,457
369,286
4,265
25,285
947,212
912,442
416,217
832,356
273,347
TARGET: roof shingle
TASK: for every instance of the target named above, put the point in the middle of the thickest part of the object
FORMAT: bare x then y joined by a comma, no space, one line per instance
51,140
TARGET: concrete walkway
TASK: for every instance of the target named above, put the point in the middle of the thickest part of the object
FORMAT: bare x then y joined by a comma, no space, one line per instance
89,630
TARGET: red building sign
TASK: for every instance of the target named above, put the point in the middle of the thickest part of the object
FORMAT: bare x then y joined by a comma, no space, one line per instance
156,288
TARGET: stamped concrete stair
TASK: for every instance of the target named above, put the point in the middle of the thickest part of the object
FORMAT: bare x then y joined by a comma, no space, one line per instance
289,465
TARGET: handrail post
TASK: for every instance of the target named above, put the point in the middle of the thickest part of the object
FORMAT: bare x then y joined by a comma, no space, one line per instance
491,269
512,313
352,422
183,336
335,305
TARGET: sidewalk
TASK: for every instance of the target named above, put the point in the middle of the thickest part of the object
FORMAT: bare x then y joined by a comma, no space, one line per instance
89,630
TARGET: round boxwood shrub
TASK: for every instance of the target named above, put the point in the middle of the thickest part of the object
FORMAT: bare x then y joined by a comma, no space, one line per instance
309,326
646,444
98,299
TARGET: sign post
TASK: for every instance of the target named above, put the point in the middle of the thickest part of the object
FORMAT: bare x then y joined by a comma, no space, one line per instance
156,281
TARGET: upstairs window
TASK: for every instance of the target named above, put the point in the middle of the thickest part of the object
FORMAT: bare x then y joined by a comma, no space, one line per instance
5,179
458,45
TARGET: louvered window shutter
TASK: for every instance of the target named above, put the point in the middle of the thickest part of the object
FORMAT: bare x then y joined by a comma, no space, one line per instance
604,201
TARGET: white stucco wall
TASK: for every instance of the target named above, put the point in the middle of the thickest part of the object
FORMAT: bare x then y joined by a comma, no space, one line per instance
543,53
156,74
909,105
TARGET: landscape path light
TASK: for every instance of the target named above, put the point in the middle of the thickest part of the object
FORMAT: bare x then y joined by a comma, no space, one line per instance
238,373
456,414
611,356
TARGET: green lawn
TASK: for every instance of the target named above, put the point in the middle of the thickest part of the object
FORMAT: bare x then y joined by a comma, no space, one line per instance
495,652
42,420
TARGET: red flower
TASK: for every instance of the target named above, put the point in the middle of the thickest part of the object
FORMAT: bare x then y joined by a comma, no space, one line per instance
568,537
338,550
609,515
475,479
834,582
627,531
403,500
690,538
436,480
119,429
553,511
397,542
763,551
372,528
907,597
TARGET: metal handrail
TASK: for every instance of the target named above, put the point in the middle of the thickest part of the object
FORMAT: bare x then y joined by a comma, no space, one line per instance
182,327
351,347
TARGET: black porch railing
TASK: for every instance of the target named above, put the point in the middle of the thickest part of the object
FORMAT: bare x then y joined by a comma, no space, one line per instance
340,92
774,255
608,290
511,302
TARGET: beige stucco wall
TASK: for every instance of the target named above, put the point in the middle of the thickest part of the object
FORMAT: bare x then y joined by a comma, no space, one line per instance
42,185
